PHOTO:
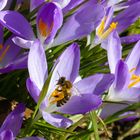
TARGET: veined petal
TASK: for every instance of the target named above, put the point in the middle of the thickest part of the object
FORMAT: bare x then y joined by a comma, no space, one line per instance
35,3
114,50
72,5
14,120
49,20
95,84
63,3
3,4
127,17
67,66
56,120
81,104
122,76
130,39
6,135
134,57
23,43
21,28
33,89
8,52
78,25
128,94
37,64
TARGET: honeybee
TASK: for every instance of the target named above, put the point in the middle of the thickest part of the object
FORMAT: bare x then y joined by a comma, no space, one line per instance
62,93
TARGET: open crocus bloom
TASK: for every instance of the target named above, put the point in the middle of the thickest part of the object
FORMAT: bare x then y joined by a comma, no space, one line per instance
120,22
126,86
70,98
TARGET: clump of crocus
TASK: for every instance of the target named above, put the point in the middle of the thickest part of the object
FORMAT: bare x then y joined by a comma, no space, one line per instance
64,94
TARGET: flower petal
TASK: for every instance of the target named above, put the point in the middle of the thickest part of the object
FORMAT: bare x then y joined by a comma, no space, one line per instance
33,89
21,28
67,66
81,104
134,57
78,25
14,120
95,84
122,76
3,4
130,39
63,3
127,17
49,20
35,3
6,135
114,50
56,120
37,64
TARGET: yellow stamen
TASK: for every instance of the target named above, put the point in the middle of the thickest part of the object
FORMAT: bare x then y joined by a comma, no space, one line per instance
134,83
4,53
113,26
43,28
133,69
101,27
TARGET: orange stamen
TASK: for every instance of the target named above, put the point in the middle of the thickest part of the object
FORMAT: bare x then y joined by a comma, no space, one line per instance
4,53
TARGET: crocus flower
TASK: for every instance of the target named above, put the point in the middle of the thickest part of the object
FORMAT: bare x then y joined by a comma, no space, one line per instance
11,56
119,23
49,20
126,85
83,96
12,124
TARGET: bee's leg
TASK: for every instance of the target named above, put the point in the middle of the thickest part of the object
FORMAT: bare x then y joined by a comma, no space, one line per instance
57,97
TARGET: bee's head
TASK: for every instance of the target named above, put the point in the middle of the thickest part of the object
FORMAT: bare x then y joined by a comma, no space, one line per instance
61,81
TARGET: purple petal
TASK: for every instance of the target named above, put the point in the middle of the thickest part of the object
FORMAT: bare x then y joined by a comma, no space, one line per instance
3,4
72,5
130,39
134,57
127,17
23,43
95,84
78,25
1,35
111,108
33,89
32,138
56,120
37,64
114,50
62,3
19,63
8,52
35,3
6,135
67,66
49,20
122,76
21,28
14,120
81,104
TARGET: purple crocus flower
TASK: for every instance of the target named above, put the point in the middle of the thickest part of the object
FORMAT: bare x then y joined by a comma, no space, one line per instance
83,96
126,85
11,56
12,124
119,23
3,4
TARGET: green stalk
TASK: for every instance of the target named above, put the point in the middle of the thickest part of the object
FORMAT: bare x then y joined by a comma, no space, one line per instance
94,124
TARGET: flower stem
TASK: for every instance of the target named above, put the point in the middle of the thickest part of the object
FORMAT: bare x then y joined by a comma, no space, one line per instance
94,124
